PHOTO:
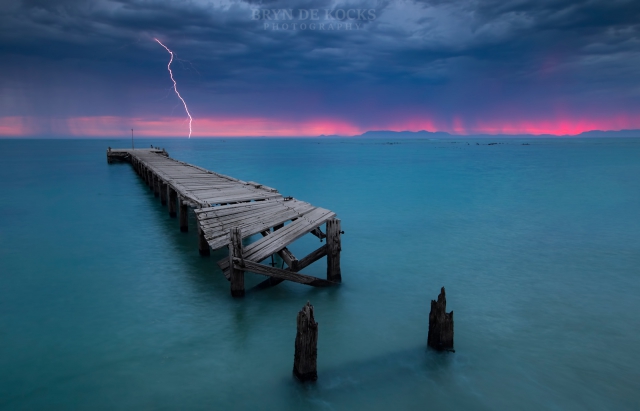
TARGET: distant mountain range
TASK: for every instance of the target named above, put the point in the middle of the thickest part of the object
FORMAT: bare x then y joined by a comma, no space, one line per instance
444,134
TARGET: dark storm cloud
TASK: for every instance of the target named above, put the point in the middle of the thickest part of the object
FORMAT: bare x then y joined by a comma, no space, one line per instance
462,57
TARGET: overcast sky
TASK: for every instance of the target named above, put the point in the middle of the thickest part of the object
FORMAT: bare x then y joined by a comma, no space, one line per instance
91,68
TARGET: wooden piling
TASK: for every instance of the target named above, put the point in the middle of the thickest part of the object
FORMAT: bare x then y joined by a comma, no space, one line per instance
306,349
333,250
156,185
203,245
184,216
235,251
440,325
163,193
173,201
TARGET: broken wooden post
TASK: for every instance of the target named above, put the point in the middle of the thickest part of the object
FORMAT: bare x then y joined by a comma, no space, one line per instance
184,216
306,351
163,193
203,245
173,200
440,325
333,250
235,251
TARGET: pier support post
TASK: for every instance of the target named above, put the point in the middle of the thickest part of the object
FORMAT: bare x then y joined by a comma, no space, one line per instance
184,217
163,193
333,250
203,246
235,251
306,354
173,201
150,179
440,325
156,186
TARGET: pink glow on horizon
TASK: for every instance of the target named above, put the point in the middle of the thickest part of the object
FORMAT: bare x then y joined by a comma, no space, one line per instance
17,126
112,126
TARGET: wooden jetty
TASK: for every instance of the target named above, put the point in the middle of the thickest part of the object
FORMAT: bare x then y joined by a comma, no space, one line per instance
229,211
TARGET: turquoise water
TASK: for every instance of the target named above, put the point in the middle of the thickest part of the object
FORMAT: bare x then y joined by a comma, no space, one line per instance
106,305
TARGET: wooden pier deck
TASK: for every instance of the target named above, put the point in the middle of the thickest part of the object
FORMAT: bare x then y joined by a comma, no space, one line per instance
229,211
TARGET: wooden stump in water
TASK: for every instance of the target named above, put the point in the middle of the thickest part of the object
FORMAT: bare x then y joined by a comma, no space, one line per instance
440,325
306,354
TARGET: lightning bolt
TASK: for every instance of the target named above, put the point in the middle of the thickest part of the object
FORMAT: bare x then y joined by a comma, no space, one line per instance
175,85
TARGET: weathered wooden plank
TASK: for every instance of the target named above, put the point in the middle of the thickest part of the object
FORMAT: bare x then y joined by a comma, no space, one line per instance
273,216
286,255
218,212
303,263
258,268
290,233
276,241
312,257
318,233
222,211
236,198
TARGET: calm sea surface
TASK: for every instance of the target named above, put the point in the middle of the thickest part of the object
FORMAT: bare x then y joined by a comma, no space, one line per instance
106,305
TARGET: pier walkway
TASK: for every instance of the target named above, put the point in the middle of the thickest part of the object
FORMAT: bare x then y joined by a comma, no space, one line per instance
229,211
